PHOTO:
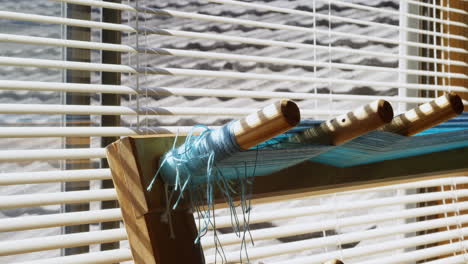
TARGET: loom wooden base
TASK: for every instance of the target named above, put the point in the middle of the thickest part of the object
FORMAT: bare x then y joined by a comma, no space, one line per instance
134,161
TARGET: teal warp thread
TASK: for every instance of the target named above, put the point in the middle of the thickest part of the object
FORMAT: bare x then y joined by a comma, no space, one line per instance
196,157
269,158
379,146
456,124
192,167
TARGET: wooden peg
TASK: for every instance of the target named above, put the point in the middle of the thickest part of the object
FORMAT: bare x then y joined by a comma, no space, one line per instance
426,115
266,123
334,261
350,125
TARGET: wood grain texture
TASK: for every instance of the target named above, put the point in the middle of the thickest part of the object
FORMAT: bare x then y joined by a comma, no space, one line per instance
144,212
123,168
350,125
456,43
426,115
266,123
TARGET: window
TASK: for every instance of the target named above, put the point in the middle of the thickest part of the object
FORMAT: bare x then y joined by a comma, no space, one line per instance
66,92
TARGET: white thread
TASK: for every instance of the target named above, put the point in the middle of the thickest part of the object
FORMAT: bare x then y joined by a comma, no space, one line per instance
315,51
330,106
434,40
167,216
459,224
448,49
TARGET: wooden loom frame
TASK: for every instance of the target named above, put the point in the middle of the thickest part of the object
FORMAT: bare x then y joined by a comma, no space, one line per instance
134,161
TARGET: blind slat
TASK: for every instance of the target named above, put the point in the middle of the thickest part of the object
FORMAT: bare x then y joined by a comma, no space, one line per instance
422,254
12,247
50,154
41,199
61,219
28,132
72,87
142,110
416,184
458,259
54,176
101,257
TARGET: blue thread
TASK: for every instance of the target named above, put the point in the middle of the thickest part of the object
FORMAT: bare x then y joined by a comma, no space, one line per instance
194,161
379,146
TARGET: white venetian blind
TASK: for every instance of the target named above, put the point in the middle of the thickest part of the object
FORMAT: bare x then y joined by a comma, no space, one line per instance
187,62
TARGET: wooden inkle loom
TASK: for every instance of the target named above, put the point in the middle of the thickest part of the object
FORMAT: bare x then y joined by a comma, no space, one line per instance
134,161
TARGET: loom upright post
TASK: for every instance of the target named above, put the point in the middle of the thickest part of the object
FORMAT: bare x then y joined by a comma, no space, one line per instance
133,165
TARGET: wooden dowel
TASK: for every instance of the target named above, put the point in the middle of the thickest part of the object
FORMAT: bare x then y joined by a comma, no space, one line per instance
266,123
426,115
348,126
334,261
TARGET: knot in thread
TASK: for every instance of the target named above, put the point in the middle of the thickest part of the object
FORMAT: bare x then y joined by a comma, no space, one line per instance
195,160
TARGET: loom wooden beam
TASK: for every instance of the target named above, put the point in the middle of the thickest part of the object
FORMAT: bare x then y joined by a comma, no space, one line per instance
345,127
426,115
312,178
266,123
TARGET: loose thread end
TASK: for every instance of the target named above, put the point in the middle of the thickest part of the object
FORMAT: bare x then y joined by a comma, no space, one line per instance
192,167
